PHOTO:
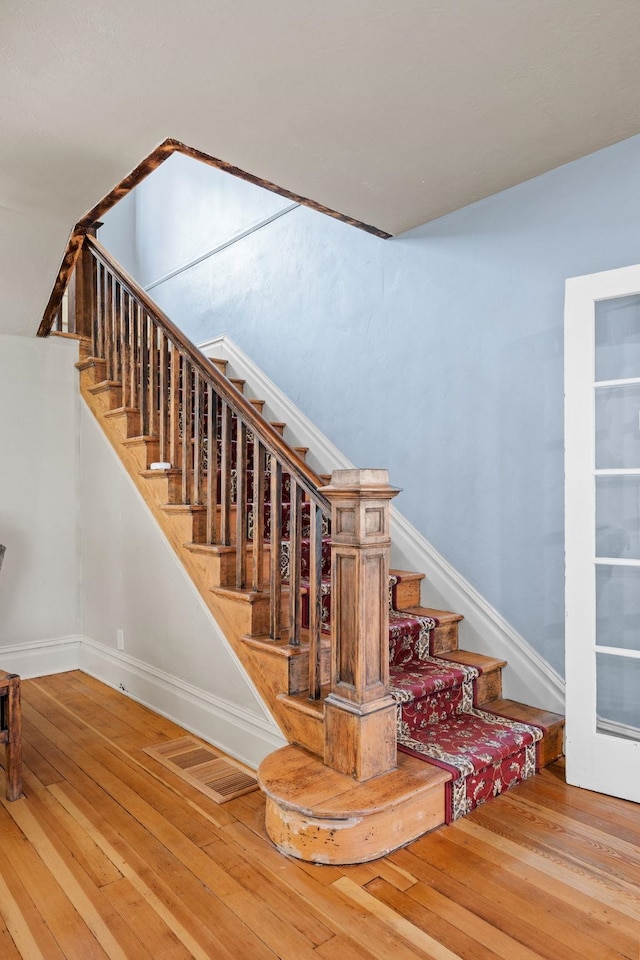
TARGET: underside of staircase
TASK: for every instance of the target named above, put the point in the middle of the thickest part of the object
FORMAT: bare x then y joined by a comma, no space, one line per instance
459,741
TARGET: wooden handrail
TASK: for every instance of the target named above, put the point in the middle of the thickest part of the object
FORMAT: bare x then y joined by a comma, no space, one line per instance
291,462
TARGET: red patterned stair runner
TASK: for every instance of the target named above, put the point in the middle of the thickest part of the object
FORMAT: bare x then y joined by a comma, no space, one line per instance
439,722
438,718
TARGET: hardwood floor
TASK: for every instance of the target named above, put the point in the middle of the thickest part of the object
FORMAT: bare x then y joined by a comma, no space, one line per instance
111,855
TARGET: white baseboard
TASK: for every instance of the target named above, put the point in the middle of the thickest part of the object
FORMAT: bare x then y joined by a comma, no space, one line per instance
230,728
239,733
531,679
39,658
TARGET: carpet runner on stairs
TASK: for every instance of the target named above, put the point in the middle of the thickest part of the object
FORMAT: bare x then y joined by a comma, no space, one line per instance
439,720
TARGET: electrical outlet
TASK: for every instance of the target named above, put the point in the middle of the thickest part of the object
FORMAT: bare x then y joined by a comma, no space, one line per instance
120,639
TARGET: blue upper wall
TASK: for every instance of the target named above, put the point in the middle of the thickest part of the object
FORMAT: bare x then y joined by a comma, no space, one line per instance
438,354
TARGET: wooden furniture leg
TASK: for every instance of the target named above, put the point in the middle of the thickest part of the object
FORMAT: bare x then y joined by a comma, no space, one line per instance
11,732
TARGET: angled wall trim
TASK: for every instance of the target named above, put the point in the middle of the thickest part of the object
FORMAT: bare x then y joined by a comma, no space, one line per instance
531,679
150,163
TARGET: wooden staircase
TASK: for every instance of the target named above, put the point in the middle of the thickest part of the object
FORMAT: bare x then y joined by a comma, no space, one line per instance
318,808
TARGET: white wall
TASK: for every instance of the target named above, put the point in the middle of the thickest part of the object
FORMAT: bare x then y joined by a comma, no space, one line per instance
39,509
175,658
86,558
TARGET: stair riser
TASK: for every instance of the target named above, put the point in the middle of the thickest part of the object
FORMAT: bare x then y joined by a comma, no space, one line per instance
444,639
407,594
94,372
248,617
305,730
188,526
551,747
142,453
488,687
299,672
217,570
84,349
108,396
126,424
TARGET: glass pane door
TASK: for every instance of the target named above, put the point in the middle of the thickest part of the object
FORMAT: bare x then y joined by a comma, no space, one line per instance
602,440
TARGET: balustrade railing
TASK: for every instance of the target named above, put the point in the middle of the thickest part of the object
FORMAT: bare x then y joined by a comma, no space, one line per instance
254,493
235,468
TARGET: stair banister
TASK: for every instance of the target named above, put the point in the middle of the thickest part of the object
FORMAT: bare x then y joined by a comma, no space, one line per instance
172,392
304,475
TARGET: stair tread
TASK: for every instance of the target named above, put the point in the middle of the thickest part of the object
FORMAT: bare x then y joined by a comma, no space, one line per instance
442,616
245,595
525,713
471,659
66,335
302,703
88,362
181,508
277,648
169,472
120,411
301,780
210,549
458,732
407,574
103,385
146,438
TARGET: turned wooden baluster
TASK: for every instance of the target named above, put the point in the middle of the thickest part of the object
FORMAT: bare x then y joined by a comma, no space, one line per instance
275,546
163,398
259,457
225,475
315,600
295,538
360,714
212,466
241,504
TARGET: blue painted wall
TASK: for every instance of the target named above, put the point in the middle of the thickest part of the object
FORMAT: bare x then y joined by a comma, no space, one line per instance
438,354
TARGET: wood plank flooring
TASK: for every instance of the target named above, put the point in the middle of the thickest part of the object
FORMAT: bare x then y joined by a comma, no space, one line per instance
109,854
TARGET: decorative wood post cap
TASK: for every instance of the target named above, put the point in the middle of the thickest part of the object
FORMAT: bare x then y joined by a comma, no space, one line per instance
369,482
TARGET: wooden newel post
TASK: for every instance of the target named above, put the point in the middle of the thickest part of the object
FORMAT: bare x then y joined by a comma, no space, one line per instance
360,714
82,290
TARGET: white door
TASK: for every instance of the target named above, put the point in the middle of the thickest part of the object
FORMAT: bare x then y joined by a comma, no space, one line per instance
602,509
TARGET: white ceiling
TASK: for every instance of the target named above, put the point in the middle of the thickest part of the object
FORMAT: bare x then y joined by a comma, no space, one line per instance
391,112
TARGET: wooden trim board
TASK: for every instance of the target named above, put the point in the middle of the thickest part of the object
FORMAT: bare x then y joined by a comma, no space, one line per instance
146,166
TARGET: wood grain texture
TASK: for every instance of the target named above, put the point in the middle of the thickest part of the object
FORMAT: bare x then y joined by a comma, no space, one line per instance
109,854
11,732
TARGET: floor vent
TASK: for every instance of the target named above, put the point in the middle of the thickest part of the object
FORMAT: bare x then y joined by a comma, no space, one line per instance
195,763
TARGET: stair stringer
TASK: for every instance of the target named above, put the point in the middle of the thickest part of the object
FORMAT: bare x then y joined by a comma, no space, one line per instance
528,678
270,667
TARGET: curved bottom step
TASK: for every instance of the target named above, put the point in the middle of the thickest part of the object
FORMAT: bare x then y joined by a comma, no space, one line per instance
316,814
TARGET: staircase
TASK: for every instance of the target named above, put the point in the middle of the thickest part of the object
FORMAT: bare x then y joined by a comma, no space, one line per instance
346,658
